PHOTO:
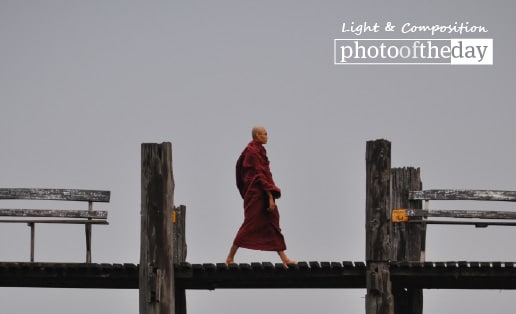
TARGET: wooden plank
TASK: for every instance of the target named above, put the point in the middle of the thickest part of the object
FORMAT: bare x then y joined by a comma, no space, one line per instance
478,224
325,265
465,195
210,267
248,277
257,266
279,266
314,265
232,267
68,275
221,266
55,194
480,214
413,275
268,266
245,267
179,234
492,275
96,214
455,275
303,266
463,264
57,221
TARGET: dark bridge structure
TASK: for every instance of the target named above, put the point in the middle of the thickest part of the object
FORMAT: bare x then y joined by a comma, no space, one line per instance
315,275
393,274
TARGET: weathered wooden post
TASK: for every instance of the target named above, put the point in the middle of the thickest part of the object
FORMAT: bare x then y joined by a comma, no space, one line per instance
408,239
379,299
179,220
156,278
88,235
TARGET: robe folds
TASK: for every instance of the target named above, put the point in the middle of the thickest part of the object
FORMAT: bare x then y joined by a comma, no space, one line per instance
260,229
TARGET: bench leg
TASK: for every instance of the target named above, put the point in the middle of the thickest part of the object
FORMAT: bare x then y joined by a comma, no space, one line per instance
32,236
88,243
88,235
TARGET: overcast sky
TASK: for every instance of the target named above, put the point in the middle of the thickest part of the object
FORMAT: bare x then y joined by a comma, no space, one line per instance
84,83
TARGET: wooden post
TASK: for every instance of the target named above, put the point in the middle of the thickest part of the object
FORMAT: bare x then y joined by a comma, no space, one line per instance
179,220
88,235
379,298
156,278
408,239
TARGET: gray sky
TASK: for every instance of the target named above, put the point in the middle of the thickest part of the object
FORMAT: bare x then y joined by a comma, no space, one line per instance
84,83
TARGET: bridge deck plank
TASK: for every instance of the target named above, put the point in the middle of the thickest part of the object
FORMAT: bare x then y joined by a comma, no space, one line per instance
209,276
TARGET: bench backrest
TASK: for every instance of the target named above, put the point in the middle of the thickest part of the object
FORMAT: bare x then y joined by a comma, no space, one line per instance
464,195
55,194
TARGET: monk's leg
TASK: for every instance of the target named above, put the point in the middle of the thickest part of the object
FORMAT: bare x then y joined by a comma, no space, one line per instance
284,259
231,256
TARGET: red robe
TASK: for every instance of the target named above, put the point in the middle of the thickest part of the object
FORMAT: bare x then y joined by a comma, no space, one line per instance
260,229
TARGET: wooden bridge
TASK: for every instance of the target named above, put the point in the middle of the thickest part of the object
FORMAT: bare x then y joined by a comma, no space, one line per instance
314,275
394,271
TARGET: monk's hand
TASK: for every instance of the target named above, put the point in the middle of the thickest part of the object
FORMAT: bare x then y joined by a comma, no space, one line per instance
272,204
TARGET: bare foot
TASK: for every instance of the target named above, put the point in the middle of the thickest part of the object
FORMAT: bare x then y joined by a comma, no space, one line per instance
231,255
289,262
285,260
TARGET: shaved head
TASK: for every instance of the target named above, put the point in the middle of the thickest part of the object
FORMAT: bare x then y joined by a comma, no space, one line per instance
260,134
257,129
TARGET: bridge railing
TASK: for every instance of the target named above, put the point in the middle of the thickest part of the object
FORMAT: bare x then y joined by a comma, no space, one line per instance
479,218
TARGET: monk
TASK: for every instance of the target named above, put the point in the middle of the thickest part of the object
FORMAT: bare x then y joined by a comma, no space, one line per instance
260,229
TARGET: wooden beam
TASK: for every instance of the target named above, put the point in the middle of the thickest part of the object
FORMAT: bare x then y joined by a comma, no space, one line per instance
464,195
482,218
478,224
96,214
332,275
55,194
179,238
156,273
313,275
408,240
479,214
68,275
57,221
180,250
455,275
379,298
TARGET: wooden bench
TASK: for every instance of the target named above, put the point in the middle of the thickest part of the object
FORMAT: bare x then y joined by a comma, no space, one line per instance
33,216
481,218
